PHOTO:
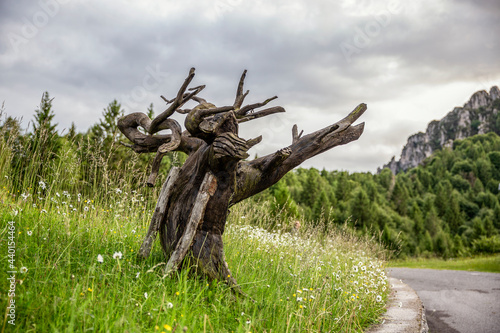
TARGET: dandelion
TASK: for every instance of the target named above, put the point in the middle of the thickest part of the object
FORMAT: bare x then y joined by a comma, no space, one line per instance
379,298
29,232
117,255
100,258
169,305
167,327
23,270
42,185
90,289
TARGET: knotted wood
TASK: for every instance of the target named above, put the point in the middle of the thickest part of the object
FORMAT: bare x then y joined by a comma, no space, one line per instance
194,201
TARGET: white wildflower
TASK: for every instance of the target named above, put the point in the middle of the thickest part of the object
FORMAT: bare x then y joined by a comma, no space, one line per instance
30,232
379,298
169,305
117,255
23,270
100,258
137,275
146,295
42,185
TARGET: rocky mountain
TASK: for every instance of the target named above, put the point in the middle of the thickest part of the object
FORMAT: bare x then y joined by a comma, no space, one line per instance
480,115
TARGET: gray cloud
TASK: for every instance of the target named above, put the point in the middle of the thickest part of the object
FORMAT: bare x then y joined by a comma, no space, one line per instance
320,58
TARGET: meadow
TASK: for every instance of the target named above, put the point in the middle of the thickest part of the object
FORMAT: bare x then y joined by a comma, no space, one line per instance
74,257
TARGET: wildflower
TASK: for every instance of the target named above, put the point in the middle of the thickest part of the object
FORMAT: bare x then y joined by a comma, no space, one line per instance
146,295
58,195
169,305
249,322
177,293
42,185
167,327
90,289
29,232
100,258
355,269
137,275
299,299
43,211
118,191
23,270
86,209
117,255
379,298
25,196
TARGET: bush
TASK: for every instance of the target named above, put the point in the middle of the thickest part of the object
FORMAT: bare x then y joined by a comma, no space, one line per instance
487,244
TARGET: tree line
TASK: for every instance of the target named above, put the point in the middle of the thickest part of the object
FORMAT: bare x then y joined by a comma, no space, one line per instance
449,206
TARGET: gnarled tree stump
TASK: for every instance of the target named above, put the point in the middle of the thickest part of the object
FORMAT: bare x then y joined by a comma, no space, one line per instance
193,205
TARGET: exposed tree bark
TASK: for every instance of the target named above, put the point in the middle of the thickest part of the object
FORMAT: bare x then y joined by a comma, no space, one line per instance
193,205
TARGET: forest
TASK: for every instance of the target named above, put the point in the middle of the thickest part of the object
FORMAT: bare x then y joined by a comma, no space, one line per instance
447,207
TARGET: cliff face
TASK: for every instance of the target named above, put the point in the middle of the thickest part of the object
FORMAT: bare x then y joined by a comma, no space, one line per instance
479,115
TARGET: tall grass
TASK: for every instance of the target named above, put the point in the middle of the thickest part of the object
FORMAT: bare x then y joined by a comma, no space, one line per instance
77,268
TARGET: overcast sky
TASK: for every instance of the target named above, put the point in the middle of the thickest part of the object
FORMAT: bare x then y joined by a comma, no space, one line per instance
410,61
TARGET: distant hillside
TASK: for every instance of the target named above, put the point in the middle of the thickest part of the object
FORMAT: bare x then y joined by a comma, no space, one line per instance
480,115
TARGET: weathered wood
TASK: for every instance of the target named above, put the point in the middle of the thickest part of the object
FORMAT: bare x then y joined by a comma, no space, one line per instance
159,213
207,189
194,202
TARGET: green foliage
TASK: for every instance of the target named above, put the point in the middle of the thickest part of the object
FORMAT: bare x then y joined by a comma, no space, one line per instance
440,208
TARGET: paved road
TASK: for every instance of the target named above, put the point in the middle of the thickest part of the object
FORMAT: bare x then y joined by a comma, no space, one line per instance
456,301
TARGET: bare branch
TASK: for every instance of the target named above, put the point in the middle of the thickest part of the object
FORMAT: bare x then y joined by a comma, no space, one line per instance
248,108
260,114
176,103
240,96
295,135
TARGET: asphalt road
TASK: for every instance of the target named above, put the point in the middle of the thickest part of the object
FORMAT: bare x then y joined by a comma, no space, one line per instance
456,301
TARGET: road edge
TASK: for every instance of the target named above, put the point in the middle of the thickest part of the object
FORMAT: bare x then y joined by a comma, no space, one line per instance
405,311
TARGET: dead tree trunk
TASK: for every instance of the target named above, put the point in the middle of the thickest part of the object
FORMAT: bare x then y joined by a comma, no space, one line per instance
193,205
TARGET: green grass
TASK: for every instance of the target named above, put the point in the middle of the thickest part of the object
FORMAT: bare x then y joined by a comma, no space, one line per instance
299,284
480,264
309,282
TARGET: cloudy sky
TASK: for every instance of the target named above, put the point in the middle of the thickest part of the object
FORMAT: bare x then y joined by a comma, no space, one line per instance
410,61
